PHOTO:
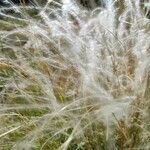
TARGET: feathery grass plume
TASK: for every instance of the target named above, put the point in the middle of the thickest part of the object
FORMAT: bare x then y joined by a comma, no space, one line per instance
74,78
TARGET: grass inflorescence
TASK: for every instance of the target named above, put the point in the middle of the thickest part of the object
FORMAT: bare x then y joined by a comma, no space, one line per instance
72,78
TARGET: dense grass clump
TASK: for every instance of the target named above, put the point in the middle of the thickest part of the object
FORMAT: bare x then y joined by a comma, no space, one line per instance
76,79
